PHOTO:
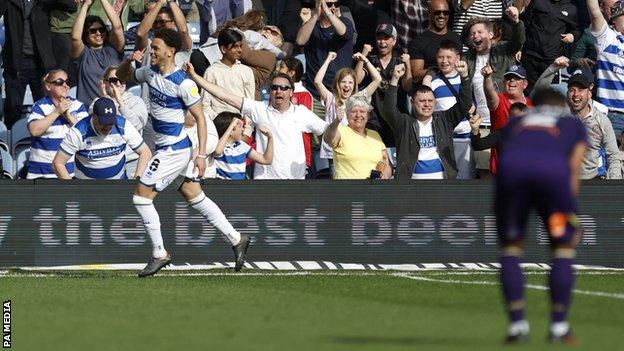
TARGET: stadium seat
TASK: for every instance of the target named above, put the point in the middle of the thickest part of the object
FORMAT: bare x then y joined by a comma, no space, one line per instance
4,137
20,134
72,92
21,161
8,171
193,30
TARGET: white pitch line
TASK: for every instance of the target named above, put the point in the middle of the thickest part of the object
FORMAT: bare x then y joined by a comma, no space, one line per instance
528,286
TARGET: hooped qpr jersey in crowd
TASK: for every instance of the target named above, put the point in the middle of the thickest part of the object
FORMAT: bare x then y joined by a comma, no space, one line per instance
101,156
44,147
445,99
170,95
610,68
428,165
231,165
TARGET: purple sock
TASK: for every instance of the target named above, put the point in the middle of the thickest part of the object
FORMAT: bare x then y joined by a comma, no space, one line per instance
513,286
561,280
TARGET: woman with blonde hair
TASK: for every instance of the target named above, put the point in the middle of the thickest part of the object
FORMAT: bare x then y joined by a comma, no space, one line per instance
48,123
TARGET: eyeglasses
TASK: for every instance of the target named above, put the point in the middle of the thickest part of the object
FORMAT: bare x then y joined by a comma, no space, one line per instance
333,4
59,82
274,87
115,80
100,30
161,22
441,12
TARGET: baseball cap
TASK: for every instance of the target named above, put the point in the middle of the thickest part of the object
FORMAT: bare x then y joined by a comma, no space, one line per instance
516,70
617,9
582,77
387,29
105,111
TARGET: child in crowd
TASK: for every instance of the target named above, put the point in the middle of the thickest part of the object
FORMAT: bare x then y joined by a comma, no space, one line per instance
231,151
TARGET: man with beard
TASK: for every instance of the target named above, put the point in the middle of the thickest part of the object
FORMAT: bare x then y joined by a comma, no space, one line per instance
423,50
599,130
514,83
499,57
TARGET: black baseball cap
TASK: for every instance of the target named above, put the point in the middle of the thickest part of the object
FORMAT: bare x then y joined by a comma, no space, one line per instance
105,111
582,77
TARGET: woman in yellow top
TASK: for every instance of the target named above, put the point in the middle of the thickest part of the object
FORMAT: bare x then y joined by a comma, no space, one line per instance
357,151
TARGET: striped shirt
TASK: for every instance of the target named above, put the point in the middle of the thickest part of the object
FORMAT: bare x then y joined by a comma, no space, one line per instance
610,68
445,99
170,96
231,165
101,156
44,147
429,165
490,9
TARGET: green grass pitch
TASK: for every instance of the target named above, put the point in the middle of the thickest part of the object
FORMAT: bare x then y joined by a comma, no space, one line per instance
258,310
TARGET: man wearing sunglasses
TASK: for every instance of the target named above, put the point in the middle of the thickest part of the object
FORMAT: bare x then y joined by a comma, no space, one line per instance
327,30
283,118
423,50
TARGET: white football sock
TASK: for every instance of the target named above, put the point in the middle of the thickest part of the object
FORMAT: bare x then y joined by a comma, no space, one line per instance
519,327
559,329
151,221
213,214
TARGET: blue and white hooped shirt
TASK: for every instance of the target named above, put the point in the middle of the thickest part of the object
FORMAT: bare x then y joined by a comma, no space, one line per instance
101,156
170,96
43,148
429,165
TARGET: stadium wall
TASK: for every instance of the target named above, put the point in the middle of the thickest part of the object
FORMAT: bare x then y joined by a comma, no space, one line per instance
49,223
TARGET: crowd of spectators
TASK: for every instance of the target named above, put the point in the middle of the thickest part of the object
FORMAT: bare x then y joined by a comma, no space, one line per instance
301,89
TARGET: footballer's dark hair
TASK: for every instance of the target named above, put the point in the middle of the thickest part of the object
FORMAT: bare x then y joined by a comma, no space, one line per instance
449,45
229,37
549,97
521,107
223,120
172,38
295,65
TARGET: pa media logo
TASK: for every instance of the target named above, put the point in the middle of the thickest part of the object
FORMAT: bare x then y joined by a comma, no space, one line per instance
6,324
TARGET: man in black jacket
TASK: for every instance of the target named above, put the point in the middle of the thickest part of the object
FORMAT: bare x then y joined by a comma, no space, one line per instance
551,28
424,139
27,54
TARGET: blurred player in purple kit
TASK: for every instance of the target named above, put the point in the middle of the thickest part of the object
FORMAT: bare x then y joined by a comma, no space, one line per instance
540,160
